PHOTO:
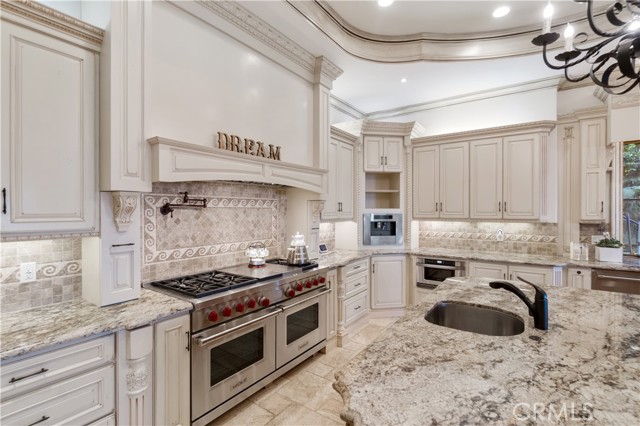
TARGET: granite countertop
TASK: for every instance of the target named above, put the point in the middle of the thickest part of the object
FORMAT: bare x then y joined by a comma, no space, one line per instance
44,328
587,363
338,258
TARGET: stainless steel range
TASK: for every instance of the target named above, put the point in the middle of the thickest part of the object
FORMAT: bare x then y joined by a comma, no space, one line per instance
249,326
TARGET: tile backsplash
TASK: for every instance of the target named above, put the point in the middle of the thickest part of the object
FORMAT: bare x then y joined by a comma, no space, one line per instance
200,239
521,238
58,273
328,234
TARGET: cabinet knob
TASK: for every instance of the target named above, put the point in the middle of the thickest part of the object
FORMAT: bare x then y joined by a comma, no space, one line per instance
578,272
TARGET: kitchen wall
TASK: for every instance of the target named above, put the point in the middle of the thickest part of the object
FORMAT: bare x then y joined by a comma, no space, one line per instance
520,238
58,273
198,239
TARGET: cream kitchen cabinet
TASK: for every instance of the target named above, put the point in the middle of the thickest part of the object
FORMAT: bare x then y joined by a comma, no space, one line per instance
172,372
593,169
388,282
441,181
71,385
383,153
332,304
505,177
339,197
353,298
543,275
49,128
579,278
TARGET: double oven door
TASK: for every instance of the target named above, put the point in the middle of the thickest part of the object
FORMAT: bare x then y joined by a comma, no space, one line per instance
232,357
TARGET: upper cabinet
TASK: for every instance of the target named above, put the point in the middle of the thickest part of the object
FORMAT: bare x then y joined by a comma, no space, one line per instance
340,177
502,175
593,169
441,181
383,153
505,177
49,123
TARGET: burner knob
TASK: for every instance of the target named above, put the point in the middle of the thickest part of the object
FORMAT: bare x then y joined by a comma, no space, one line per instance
298,287
322,280
251,303
226,311
264,302
290,292
308,284
213,316
240,307
315,282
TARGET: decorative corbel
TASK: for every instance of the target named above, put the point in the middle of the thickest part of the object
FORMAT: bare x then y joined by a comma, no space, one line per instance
124,204
316,209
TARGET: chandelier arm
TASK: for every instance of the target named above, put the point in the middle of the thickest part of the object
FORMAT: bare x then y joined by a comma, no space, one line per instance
597,30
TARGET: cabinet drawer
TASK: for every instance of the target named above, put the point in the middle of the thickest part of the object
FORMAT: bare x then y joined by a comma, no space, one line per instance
40,370
79,400
356,284
356,306
354,268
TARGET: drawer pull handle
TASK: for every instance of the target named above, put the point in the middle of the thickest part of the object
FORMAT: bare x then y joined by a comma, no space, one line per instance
40,421
357,267
4,200
356,308
13,379
359,283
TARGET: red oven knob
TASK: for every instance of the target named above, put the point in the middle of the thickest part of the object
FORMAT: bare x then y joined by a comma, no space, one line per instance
213,316
298,287
315,282
322,280
226,311
264,302
290,292
251,303
240,307
308,284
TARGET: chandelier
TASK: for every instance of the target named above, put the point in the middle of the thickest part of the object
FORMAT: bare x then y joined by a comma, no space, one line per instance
613,61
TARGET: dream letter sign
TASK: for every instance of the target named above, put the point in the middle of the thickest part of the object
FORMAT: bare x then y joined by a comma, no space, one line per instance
247,146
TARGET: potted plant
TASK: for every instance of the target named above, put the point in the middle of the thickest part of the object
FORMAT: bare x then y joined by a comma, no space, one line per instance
609,250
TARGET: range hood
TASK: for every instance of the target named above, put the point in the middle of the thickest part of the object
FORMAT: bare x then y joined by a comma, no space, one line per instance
175,161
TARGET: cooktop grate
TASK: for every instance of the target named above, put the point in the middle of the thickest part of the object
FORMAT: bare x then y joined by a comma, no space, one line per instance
206,283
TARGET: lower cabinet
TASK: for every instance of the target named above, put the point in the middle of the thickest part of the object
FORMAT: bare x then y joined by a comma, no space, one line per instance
332,304
388,282
172,377
579,278
353,298
542,275
71,385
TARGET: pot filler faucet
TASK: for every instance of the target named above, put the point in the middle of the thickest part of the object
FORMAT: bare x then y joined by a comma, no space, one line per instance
538,309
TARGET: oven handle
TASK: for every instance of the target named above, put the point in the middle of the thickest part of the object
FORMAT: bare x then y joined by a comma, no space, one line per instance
203,341
448,268
299,302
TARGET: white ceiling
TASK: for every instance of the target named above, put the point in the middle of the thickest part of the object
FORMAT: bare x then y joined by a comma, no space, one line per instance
372,87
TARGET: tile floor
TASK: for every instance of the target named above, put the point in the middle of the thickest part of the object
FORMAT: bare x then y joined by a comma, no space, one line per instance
304,396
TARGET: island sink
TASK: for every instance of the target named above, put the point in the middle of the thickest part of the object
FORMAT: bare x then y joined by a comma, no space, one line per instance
474,318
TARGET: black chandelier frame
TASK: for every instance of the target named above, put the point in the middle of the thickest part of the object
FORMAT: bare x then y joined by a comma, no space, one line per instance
623,57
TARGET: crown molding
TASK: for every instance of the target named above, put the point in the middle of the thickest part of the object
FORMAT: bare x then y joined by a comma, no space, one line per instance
342,135
583,114
346,108
387,128
532,127
625,101
18,10
426,46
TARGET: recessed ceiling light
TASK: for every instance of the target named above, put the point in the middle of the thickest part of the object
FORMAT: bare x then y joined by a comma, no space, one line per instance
384,3
501,11
403,80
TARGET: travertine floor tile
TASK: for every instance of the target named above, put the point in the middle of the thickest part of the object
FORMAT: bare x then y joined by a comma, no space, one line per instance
299,415
368,334
274,403
308,389
318,368
383,322
245,414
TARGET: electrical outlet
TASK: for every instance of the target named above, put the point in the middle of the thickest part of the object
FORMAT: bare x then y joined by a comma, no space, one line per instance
27,272
500,235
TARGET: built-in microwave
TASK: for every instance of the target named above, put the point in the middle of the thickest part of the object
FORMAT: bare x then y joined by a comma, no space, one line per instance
431,272
382,229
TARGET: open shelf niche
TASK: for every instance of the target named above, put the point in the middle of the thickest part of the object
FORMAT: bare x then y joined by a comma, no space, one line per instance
382,190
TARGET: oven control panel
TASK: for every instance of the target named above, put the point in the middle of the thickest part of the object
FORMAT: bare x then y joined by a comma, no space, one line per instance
302,285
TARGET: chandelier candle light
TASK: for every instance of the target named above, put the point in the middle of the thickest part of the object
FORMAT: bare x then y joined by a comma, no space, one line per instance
614,58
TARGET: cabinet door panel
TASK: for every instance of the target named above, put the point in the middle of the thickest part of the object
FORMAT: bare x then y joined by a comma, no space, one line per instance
486,179
454,180
521,186
389,282
344,184
373,153
536,275
593,168
487,270
330,210
426,182
393,154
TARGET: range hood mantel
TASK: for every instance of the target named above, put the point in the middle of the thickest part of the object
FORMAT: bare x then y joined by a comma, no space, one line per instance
175,161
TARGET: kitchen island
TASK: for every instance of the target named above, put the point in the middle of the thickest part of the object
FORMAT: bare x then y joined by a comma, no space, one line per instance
584,369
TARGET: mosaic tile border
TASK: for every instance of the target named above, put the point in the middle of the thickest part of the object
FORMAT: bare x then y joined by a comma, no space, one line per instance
152,204
489,236
11,275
